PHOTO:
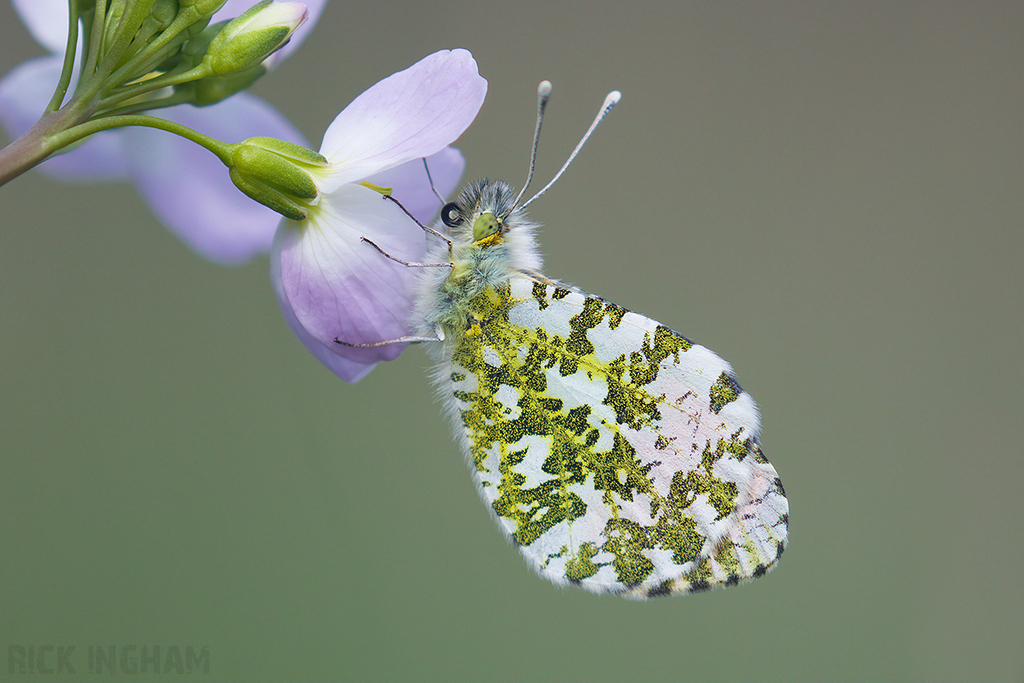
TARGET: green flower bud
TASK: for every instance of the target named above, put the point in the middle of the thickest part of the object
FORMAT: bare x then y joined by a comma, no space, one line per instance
194,50
214,89
275,173
160,17
163,13
251,37
206,8
112,24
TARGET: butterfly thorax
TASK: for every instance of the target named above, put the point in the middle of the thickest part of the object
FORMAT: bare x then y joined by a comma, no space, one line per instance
491,241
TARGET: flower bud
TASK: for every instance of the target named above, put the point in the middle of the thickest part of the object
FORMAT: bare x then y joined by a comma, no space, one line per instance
205,8
163,13
275,173
214,89
251,37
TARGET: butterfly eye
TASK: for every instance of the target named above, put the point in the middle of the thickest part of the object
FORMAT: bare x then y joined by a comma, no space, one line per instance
450,215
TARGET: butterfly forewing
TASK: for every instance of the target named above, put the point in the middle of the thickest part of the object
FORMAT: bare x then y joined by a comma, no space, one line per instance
616,454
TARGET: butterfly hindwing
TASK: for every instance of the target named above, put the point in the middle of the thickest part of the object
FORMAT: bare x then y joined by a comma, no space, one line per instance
615,453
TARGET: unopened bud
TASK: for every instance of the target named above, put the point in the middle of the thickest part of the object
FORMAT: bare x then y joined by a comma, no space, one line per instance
205,8
253,36
214,89
274,173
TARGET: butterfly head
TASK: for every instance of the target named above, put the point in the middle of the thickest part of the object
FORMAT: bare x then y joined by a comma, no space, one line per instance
483,214
487,212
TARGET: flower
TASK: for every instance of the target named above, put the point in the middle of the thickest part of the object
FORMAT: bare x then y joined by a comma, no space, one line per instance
330,283
217,221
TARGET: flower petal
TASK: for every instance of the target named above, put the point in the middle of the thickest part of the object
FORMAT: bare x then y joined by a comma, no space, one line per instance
412,114
24,94
47,21
189,189
337,286
412,187
348,370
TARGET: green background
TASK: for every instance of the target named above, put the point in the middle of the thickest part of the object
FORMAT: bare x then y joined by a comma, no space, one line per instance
827,195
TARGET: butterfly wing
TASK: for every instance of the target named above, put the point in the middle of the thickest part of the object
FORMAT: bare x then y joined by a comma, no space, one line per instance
615,454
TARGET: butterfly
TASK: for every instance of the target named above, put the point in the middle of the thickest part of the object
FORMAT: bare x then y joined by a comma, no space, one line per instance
615,454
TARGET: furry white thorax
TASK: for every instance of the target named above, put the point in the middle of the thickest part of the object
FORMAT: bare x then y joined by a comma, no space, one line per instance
445,292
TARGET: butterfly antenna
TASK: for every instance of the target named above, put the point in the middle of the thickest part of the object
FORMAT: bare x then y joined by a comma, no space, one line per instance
543,95
433,189
610,101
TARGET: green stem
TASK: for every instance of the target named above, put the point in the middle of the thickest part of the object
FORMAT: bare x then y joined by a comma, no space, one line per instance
182,21
93,42
166,80
50,134
128,24
69,59
221,149
172,100
31,148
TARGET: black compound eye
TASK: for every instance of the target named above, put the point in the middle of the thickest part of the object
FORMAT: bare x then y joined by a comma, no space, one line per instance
451,215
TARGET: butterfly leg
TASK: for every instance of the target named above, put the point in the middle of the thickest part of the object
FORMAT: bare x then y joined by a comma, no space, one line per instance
411,264
400,340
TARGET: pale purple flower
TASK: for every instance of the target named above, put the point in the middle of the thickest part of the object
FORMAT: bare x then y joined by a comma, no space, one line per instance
186,186
330,283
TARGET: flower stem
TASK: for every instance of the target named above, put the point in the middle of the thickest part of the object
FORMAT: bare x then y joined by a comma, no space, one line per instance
72,135
50,134
34,147
134,90
69,58
172,100
154,49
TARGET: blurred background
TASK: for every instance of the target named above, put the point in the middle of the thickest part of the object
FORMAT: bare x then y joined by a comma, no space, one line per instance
177,470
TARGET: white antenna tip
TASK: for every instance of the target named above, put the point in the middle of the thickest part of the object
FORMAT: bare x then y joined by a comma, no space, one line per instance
613,98
544,89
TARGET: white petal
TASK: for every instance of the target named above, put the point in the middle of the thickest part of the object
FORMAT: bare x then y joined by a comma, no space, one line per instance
348,370
337,286
412,187
409,115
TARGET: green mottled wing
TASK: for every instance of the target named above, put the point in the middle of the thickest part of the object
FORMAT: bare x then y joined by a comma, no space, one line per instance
616,454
